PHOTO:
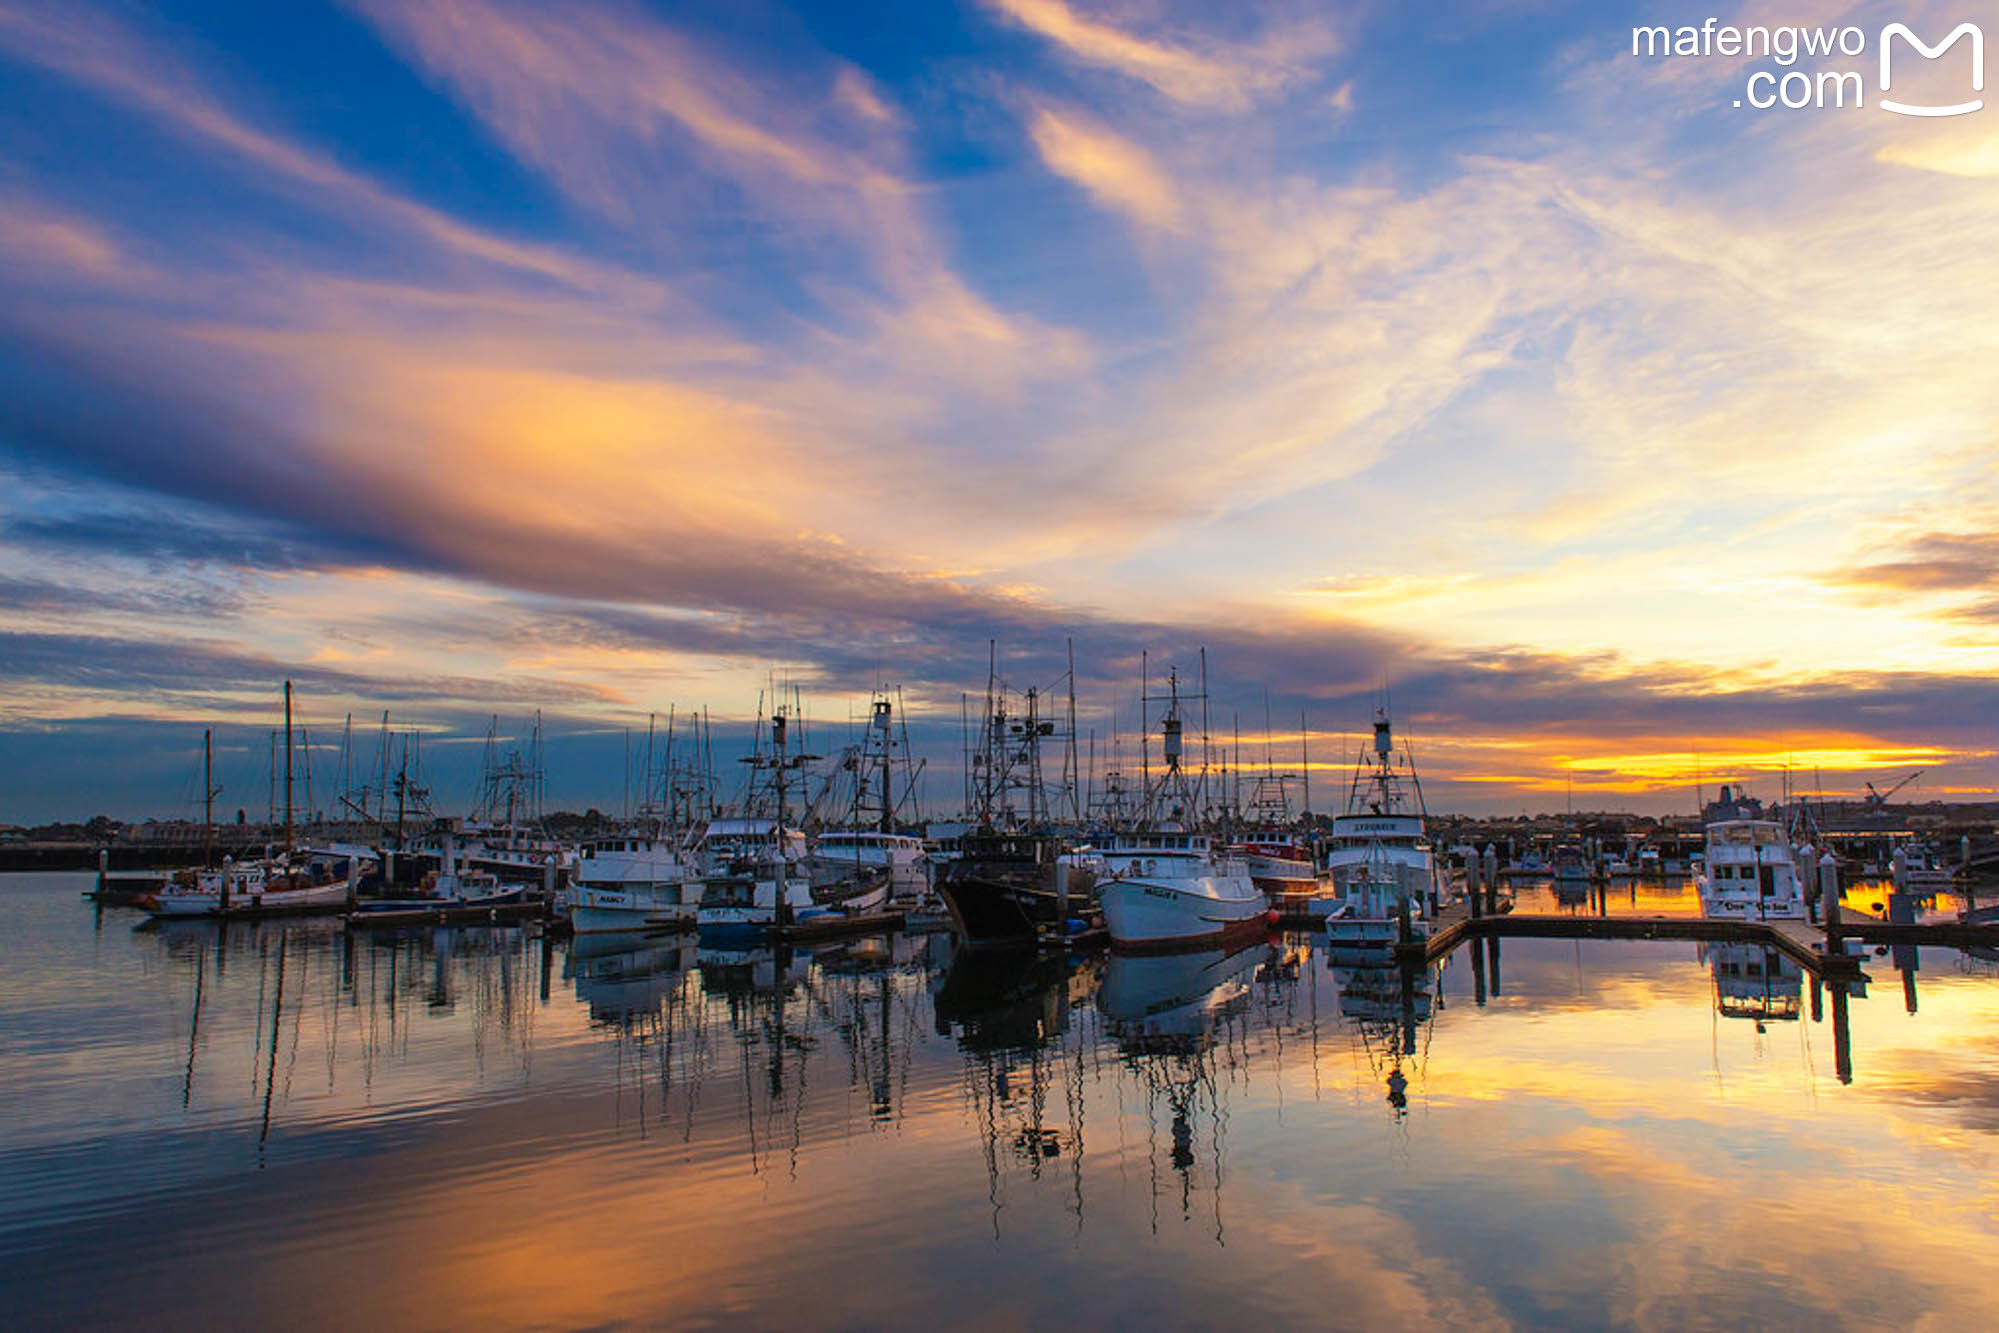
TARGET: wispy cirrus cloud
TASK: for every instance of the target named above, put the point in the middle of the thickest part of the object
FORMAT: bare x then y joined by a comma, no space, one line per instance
1199,69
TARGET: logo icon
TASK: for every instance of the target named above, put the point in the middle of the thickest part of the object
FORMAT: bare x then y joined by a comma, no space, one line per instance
1894,30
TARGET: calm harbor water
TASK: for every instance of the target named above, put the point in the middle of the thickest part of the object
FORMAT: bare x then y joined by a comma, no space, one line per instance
284,1125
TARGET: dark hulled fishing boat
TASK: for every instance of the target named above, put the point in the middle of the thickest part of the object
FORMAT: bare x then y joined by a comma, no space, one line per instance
1008,888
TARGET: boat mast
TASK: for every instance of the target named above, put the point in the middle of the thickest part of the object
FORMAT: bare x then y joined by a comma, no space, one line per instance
288,768
208,790
1075,777
781,915
884,720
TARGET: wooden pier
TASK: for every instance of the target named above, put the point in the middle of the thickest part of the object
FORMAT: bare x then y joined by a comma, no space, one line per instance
1806,942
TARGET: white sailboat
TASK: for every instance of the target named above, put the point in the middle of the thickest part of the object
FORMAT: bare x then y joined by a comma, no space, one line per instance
1383,870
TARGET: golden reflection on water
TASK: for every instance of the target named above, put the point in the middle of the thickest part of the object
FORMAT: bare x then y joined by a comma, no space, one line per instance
484,1127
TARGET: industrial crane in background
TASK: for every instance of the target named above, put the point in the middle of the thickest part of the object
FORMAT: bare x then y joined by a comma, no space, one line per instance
1878,800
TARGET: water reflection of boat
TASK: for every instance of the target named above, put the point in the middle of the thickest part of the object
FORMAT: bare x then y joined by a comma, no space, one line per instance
749,969
1385,1006
1175,999
1169,1013
1755,982
618,975
1006,1000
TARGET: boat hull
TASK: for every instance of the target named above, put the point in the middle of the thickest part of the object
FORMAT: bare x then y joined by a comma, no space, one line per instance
1014,903
1144,913
248,903
1372,932
598,910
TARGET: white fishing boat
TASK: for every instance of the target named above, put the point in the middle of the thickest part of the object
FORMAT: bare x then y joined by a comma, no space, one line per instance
286,882
1383,870
1748,873
1169,888
874,801
277,885
1917,870
756,875
1165,887
632,882
853,853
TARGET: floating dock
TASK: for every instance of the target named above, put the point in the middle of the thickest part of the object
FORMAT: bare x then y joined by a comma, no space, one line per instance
833,927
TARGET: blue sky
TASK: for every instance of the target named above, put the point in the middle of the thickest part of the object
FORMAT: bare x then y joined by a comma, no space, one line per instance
464,358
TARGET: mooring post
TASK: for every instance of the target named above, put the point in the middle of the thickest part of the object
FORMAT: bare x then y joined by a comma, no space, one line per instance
1472,882
1842,1037
103,868
1829,897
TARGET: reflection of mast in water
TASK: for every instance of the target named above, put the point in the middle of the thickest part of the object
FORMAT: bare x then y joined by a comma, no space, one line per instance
634,987
1170,1013
1010,1013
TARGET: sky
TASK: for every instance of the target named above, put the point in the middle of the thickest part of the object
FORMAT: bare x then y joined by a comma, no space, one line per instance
472,359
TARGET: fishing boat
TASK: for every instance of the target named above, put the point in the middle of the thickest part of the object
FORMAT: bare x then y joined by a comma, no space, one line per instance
1748,873
1169,888
1278,859
1008,880
846,854
1012,888
755,874
1571,864
1383,870
1916,869
872,803
632,882
277,885
283,882
1164,886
